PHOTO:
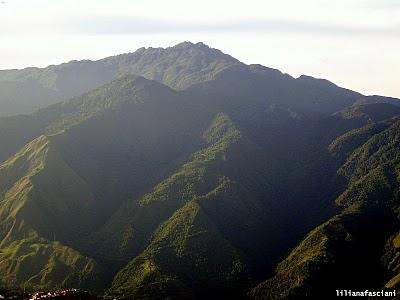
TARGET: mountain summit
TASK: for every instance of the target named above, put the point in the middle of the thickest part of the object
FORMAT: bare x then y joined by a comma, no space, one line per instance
23,91
183,173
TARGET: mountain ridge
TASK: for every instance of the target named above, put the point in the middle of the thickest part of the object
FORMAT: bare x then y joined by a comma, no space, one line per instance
172,66
243,183
180,66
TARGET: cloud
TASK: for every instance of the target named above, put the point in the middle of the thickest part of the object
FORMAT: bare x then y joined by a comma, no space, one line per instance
385,4
123,25
102,25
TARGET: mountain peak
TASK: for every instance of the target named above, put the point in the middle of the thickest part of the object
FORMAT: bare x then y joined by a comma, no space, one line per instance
188,44
205,49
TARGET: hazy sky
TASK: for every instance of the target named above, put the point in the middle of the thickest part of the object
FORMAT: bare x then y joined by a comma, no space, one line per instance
354,43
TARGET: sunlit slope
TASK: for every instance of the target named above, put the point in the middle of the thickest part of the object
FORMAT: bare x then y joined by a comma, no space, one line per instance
34,210
57,188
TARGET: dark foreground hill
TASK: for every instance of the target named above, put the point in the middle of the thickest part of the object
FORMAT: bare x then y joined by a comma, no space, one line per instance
232,181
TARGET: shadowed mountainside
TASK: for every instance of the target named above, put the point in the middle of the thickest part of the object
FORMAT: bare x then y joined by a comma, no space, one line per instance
215,179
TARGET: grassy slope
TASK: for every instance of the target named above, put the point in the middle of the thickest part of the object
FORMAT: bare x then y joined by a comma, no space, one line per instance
335,254
53,188
224,182
27,253
186,256
136,220
188,253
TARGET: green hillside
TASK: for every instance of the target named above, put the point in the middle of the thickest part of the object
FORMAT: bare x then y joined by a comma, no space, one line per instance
190,250
215,179
206,76
346,251
29,253
54,191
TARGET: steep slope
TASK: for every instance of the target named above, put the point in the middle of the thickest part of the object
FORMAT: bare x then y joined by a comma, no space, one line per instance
179,67
211,78
130,103
57,189
193,177
18,130
126,156
201,216
35,175
23,91
186,256
370,112
391,261
304,95
157,192
351,127
335,254
28,252
241,192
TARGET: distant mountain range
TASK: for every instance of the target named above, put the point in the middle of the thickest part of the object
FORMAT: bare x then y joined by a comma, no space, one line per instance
23,91
183,173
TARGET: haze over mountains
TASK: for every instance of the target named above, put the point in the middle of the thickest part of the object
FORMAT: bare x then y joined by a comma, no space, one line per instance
179,67
184,173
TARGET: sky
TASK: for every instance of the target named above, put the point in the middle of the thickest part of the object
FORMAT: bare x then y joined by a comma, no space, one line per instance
354,43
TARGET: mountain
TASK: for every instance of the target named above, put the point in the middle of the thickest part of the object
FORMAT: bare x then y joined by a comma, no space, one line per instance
26,210
77,197
179,67
23,91
360,238
207,179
